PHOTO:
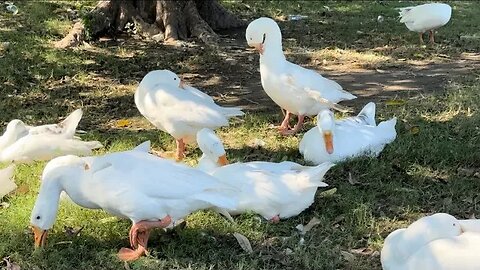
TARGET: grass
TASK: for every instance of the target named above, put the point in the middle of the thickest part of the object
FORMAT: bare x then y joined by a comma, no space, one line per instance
416,175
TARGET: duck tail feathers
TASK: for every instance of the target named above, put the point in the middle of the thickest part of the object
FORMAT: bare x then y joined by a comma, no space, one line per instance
71,122
315,175
389,129
368,114
143,147
94,144
232,111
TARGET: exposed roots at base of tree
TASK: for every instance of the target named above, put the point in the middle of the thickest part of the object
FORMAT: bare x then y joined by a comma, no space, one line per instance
162,19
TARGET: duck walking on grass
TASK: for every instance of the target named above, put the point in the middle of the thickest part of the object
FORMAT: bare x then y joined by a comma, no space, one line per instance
152,192
298,90
179,109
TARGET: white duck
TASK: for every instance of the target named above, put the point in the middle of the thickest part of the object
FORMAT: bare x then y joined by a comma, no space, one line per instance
24,144
298,90
7,185
426,17
17,129
150,191
273,190
336,140
436,242
178,109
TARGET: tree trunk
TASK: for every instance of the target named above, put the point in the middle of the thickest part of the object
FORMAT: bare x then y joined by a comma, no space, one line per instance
165,19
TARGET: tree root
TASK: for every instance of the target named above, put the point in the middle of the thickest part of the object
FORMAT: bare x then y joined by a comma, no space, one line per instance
167,19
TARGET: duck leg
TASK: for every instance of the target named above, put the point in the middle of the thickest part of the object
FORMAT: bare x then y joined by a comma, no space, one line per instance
180,150
432,39
139,234
421,37
285,123
296,128
275,219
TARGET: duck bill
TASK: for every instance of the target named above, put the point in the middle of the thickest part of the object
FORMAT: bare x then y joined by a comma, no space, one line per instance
222,160
258,47
40,237
328,139
182,84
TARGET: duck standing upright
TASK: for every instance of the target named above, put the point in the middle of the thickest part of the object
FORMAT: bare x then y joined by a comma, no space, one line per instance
426,17
298,90
178,109
273,190
436,242
152,192
335,140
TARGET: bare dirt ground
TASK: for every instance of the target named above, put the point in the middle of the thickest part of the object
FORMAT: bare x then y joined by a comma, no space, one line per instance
236,79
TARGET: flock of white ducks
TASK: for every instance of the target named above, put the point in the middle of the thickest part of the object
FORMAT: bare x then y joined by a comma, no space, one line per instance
155,192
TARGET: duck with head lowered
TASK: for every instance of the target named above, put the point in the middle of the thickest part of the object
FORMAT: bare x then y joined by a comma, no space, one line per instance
336,140
178,109
152,192
298,90
273,190
436,242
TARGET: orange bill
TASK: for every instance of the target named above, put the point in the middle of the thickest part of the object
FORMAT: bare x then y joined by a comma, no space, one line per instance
182,84
40,236
328,139
259,47
222,160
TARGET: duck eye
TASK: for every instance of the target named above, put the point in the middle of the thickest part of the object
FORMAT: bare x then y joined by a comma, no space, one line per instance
175,79
38,217
251,38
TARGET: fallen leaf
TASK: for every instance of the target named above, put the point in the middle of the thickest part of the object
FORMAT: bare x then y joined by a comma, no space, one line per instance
312,223
23,189
123,123
288,251
352,180
348,256
395,102
327,193
244,243
108,219
72,232
414,130
362,251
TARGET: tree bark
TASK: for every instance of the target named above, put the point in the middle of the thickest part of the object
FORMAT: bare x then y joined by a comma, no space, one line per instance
171,20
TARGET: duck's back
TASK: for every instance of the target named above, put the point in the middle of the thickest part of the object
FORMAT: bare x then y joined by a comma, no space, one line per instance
454,253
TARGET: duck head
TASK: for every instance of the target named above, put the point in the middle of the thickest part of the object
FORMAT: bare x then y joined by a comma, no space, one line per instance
56,173
326,125
264,35
212,148
14,131
165,77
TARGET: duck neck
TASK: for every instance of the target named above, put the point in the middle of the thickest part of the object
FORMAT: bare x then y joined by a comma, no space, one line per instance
272,49
206,164
48,199
7,139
